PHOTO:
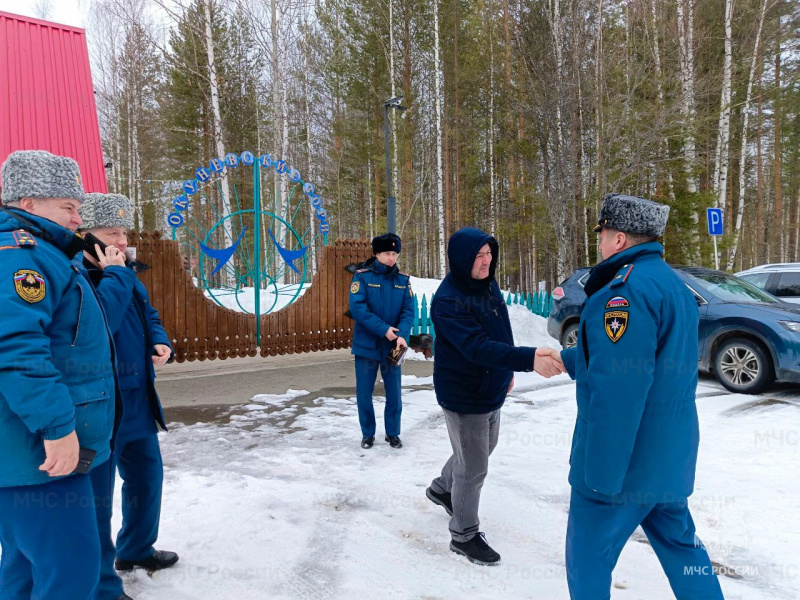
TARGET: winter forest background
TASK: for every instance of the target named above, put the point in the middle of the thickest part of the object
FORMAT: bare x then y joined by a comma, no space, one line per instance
522,114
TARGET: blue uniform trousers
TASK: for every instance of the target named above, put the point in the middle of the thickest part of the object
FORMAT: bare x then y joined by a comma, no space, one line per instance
102,478
366,372
142,473
51,548
597,531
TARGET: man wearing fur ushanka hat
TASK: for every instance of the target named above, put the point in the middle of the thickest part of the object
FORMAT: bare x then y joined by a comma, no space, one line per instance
382,305
57,386
141,343
634,449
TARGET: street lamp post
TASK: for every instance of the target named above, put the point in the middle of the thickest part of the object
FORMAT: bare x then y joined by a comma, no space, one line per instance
391,201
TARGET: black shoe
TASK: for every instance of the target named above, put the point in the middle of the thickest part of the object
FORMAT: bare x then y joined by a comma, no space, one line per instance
443,500
476,550
159,560
394,441
366,443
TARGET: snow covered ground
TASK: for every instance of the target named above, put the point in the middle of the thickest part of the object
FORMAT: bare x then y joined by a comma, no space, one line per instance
274,298
276,500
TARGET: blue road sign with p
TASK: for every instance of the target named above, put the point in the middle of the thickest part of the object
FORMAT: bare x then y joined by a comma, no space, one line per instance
714,221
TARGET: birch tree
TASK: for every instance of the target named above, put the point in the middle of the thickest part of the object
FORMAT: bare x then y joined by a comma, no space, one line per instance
686,52
720,179
490,135
311,173
439,168
743,152
217,117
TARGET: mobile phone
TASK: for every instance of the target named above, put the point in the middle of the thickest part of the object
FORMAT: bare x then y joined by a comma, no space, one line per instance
85,458
90,240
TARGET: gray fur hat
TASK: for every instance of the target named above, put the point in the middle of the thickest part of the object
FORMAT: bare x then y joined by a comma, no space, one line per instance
106,210
39,174
631,214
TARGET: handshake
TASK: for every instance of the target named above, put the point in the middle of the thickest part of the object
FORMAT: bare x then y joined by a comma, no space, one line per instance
548,363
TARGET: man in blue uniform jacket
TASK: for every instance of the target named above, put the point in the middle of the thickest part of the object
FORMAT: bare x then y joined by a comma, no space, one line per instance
472,374
57,387
141,343
381,302
635,443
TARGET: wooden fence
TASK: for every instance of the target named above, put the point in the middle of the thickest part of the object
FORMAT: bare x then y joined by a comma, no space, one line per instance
200,329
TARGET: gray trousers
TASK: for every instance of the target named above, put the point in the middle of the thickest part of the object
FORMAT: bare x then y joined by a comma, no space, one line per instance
473,438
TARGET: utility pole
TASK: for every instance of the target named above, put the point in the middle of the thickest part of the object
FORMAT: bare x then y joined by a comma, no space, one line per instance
391,201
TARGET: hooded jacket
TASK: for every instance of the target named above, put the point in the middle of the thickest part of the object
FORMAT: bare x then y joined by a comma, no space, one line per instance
380,297
56,353
475,353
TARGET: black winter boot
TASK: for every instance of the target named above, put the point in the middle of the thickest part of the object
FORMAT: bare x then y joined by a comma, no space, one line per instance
394,441
159,560
366,443
443,500
476,550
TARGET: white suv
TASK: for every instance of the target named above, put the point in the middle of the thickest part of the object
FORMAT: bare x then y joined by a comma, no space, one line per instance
779,279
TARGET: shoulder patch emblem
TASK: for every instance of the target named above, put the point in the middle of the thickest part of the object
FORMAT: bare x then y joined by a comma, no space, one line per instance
616,324
30,285
617,302
355,287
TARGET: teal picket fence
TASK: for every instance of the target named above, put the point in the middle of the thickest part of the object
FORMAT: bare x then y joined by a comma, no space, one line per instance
539,303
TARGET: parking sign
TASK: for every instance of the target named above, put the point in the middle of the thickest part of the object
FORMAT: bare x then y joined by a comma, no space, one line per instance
714,221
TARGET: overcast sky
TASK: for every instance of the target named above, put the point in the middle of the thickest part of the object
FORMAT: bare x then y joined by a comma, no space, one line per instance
68,12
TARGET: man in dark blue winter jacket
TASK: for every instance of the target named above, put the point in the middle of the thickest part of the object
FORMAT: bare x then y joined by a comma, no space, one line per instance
472,374
141,343
57,388
382,306
634,449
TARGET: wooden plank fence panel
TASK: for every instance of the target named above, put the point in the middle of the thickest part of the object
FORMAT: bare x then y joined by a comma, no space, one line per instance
170,284
200,329
306,344
322,301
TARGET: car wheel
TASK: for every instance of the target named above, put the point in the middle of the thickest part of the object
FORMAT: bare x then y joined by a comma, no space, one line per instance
569,338
743,366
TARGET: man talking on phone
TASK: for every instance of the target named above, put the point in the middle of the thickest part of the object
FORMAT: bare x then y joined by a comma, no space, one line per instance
141,344
57,386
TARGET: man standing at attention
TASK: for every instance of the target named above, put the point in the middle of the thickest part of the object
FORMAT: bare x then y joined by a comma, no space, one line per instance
634,448
382,306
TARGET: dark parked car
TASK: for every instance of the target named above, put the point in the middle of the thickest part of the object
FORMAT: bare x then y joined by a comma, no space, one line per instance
748,338
567,306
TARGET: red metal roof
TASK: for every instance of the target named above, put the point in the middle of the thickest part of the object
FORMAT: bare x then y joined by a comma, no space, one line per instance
46,95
